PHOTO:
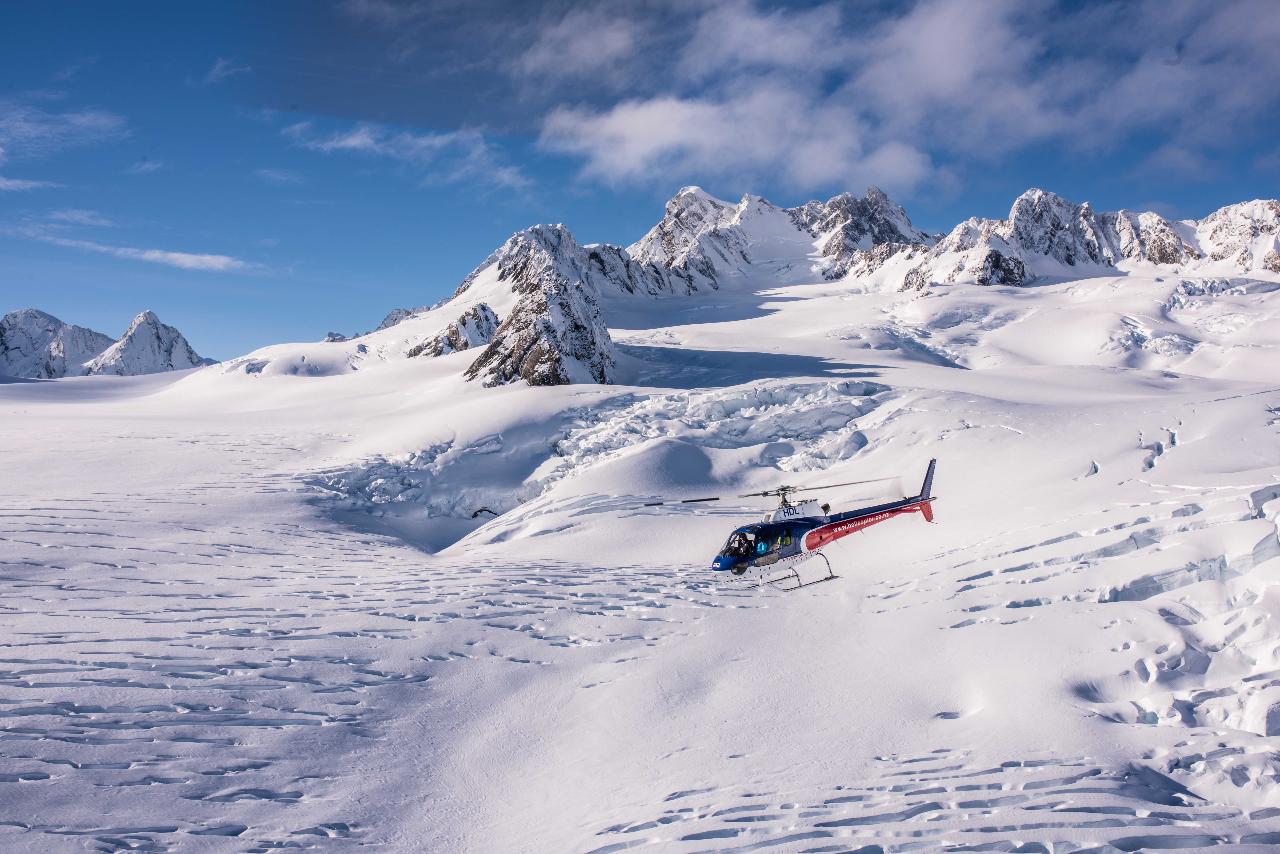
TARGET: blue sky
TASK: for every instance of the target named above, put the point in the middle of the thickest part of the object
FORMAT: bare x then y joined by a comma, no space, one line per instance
263,172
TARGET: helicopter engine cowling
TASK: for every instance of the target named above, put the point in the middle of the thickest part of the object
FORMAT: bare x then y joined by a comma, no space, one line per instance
809,509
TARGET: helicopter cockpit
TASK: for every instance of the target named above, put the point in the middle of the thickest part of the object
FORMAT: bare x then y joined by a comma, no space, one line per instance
759,545
741,544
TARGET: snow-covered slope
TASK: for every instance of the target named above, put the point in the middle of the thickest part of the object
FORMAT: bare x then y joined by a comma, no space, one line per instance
40,346
473,328
147,347
250,611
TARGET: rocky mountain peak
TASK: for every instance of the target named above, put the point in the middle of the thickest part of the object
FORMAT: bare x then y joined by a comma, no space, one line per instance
37,345
554,335
148,346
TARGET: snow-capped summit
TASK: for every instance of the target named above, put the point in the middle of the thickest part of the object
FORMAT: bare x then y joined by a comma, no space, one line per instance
554,334
37,345
148,346
1047,235
847,225
1246,234
709,239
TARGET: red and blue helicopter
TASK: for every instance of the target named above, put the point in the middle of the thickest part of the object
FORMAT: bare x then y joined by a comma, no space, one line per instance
799,530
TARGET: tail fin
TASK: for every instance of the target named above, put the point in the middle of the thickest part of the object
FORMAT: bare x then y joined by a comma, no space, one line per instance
927,488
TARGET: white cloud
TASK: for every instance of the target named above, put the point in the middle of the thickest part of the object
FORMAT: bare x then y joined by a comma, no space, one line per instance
145,166
29,131
20,185
735,35
78,216
450,157
279,177
835,94
774,130
224,68
587,41
182,260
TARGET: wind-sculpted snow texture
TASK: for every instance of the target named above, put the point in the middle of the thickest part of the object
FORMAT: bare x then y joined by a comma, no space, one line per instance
330,597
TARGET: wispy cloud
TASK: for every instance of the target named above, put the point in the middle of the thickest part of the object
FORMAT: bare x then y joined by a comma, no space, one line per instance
78,216
224,68
384,13
450,157
30,131
53,234
69,72
280,177
145,166
20,185
182,260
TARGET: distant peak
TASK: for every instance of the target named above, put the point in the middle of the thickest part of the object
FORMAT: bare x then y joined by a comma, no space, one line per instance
34,314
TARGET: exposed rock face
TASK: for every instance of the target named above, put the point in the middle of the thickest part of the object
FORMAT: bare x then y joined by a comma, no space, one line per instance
855,231
474,328
147,347
1044,234
611,269
706,239
689,238
1147,237
554,335
1247,233
37,345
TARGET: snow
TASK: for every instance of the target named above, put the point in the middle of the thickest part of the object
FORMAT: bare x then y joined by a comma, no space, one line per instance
248,606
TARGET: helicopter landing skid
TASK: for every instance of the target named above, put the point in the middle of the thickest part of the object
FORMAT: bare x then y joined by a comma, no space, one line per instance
792,580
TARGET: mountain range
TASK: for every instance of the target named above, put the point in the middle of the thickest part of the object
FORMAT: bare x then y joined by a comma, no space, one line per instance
553,330
37,345
533,308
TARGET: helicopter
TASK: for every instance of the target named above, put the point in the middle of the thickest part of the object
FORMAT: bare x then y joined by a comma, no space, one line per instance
799,530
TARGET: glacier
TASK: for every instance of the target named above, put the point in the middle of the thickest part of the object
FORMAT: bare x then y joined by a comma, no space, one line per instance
259,604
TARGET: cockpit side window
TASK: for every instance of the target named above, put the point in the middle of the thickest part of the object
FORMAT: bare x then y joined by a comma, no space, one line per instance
740,544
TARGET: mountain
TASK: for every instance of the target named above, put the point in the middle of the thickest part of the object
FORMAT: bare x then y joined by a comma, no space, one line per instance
554,335
1246,235
707,239
37,345
473,328
148,346
40,346
1046,235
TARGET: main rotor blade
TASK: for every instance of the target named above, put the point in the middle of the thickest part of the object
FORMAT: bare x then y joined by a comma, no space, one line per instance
848,483
681,501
